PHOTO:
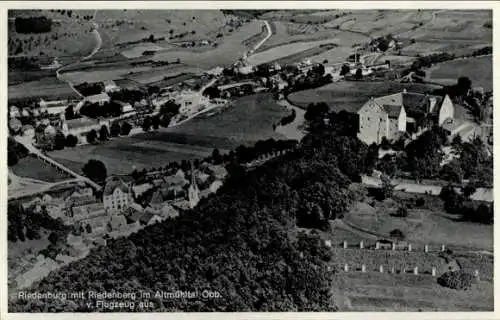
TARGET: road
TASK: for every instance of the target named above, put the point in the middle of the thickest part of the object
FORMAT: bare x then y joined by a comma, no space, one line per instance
94,51
293,130
269,34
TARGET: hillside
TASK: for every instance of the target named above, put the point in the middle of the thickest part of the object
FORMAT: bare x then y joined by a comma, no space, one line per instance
241,243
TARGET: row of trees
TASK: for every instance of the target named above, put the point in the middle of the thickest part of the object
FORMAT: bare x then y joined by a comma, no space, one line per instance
105,110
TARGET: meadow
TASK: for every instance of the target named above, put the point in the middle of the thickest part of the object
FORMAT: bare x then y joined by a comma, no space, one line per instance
430,226
246,121
70,34
275,54
47,88
479,70
32,167
373,291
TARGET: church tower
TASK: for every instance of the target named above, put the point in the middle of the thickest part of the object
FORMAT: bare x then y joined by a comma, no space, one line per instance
193,191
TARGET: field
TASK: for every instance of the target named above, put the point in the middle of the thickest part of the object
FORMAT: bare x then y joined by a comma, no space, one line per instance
70,36
120,155
47,88
350,95
479,70
378,23
31,167
227,52
430,225
246,121
288,32
288,53
122,26
388,292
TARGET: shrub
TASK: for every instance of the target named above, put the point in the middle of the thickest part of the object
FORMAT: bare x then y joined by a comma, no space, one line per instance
420,202
402,212
397,234
458,280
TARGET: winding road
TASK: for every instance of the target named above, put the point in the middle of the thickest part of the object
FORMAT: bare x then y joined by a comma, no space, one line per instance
94,51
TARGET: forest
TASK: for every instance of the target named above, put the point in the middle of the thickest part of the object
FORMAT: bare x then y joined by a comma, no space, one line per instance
242,242
33,25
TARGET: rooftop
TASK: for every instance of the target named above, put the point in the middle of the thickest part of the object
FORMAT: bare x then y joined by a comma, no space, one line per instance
111,185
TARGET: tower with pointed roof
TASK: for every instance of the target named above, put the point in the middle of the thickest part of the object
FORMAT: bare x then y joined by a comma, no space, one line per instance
193,190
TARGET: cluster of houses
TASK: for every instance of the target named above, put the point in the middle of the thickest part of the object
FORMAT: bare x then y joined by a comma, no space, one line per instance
118,212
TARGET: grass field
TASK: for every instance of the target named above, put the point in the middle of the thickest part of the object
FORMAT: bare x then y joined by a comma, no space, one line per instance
455,25
47,88
424,226
479,70
288,32
246,121
388,292
284,51
69,35
31,167
122,26
226,53
350,95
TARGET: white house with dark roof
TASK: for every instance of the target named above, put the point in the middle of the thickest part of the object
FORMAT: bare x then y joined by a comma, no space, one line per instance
117,195
386,116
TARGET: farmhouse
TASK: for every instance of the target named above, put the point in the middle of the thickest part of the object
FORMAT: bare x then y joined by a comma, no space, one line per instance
387,116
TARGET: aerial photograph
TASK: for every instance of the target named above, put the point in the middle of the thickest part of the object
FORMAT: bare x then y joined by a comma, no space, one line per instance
227,160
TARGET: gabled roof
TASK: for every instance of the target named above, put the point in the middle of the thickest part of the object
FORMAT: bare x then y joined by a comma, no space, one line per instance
393,111
132,213
157,197
113,184
146,216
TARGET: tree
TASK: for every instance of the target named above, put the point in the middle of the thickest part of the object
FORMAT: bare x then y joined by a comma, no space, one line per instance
397,234
71,141
95,170
91,136
216,156
387,188
359,74
463,86
104,133
452,172
59,141
344,70
69,112
458,280
12,158
155,122
115,129
125,128
146,125
212,92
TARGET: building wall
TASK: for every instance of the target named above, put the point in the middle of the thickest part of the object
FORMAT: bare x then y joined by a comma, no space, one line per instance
402,120
393,128
373,123
117,200
446,111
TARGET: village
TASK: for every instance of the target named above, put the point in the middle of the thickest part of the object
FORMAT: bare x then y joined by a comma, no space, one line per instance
391,106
